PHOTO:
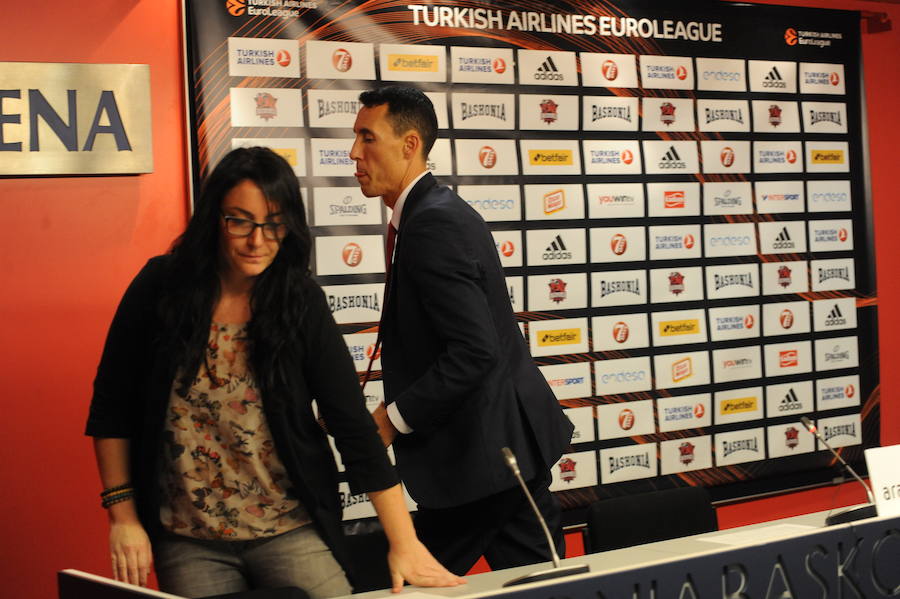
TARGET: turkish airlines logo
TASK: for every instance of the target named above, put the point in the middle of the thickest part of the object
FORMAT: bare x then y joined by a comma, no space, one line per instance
618,244
610,70
627,156
507,248
834,79
372,353
849,390
499,66
341,60
748,321
487,156
688,241
842,234
790,36
283,58
352,254
681,73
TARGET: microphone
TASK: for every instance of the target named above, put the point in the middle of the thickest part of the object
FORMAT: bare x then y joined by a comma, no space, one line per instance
859,513
558,570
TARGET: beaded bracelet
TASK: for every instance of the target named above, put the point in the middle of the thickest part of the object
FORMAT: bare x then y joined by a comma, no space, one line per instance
119,497
111,490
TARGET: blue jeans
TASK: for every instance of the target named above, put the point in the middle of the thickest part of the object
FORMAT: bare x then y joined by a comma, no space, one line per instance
199,568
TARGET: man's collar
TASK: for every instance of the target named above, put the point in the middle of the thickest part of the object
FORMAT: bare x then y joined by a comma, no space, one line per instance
398,206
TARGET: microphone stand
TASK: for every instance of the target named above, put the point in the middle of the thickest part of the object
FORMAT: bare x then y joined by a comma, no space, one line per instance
851,515
558,570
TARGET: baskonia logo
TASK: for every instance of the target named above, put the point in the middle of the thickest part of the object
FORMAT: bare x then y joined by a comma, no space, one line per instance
640,460
841,272
554,201
724,114
784,276
676,282
730,447
686,452
341,60
837,430
672,328
726,156
632,286
610,70
265,106
330,107
236,8
557,290
548,110
788,358
775,115
786,318
828,156
495,111
791,437
626,419
367,301
487,156
548,71
550,157
567,469
825,116
738,405
618,244
682,369
667,113
620,332
559,337
417,63
671,160
352,254
610,112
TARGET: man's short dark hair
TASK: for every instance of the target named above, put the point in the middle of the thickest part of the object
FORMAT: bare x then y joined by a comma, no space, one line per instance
408,108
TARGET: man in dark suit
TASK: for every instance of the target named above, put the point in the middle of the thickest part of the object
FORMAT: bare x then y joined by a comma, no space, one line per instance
459,381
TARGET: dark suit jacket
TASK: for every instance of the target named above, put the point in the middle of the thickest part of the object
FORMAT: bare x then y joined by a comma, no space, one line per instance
455,361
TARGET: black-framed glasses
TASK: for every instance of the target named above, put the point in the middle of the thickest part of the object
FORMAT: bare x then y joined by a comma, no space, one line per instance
242,227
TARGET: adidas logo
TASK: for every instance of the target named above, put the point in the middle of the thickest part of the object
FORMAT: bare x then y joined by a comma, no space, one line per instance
557,250
671,160
774,80
783,241
835,318
790,402
548,71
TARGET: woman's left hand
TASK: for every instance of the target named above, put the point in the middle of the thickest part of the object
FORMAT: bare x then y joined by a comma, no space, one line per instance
414,564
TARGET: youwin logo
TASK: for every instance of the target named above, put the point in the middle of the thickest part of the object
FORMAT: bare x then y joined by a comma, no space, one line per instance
548,71
774,80
236,8
671,160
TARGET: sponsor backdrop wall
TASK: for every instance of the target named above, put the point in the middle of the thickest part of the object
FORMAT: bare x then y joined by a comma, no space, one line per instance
677,197
76,242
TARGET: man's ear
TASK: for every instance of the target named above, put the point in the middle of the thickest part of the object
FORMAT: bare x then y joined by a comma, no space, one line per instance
412,144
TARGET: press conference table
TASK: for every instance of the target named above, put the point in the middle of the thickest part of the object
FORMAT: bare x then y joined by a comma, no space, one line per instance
797,555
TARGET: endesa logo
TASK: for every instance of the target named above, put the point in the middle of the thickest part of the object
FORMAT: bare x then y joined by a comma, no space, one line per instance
352,254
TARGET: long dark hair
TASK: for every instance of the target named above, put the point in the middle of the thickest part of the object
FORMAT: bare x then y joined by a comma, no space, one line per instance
277,303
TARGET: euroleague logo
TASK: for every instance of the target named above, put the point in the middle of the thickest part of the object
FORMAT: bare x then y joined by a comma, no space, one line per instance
618,244
236,8
610,70
352,254
790,36
487,156
626,419
620,332
341,60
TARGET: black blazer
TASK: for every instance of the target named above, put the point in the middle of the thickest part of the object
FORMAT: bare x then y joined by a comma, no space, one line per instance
455,362
134,381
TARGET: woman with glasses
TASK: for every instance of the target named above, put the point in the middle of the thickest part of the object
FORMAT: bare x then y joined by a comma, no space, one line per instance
212,459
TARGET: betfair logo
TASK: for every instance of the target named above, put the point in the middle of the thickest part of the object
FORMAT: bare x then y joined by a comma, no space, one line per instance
738,405
679,327
415,63
550,157
828,156
289,154
559,337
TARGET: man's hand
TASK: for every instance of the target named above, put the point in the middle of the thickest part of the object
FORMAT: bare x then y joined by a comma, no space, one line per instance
415,564
385,427
130,552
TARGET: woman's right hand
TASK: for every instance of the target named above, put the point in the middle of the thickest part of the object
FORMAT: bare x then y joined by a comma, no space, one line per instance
130,551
